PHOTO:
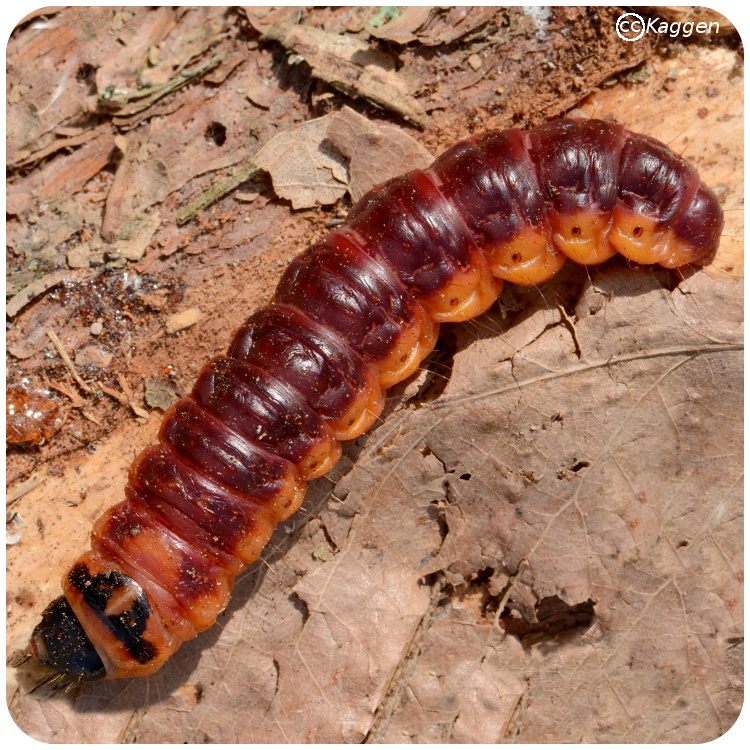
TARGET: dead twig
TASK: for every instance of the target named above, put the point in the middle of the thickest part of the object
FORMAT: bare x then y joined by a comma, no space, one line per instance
126,398
66,390
91,418
22,489
68,362
215,192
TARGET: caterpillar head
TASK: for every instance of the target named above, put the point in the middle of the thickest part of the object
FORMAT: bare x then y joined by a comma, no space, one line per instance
60,643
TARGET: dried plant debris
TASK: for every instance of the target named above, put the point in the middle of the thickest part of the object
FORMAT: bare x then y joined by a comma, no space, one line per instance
350,66
398,24
377,151
30,292
237,176
304,165
161,392
154,59
263,17
430,26
307,163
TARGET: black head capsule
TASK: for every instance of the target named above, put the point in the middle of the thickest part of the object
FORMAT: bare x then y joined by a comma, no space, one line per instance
60,643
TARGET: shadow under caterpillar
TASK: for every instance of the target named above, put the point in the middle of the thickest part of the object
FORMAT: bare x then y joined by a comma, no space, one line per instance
353,315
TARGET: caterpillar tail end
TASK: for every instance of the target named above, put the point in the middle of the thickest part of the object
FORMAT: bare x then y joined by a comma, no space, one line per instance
60,643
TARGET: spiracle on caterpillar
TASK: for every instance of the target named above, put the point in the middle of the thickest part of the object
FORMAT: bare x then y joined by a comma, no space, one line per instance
353,315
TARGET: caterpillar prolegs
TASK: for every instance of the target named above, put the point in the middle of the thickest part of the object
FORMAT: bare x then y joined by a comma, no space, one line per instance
354,314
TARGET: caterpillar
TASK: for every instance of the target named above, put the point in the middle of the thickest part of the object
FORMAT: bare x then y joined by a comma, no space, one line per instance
351,316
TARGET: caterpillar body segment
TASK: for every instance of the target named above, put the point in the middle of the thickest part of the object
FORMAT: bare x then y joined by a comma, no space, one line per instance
353,315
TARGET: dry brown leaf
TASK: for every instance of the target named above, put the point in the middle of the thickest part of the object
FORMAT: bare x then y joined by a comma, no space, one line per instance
262,17
595,460
304,165
377,151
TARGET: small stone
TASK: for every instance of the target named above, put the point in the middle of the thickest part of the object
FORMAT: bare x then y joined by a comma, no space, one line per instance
13,529
245,197
475,61
261,95
93,355
96,327
79,256
321,552
155,300
181,320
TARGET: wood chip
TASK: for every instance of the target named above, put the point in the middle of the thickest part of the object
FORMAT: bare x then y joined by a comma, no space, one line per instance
33,290
351,67
22,489
182,320
93,355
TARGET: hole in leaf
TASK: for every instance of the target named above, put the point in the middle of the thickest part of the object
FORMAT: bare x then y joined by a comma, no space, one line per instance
554,621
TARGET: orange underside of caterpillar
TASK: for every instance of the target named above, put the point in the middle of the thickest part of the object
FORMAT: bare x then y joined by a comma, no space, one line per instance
352,316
